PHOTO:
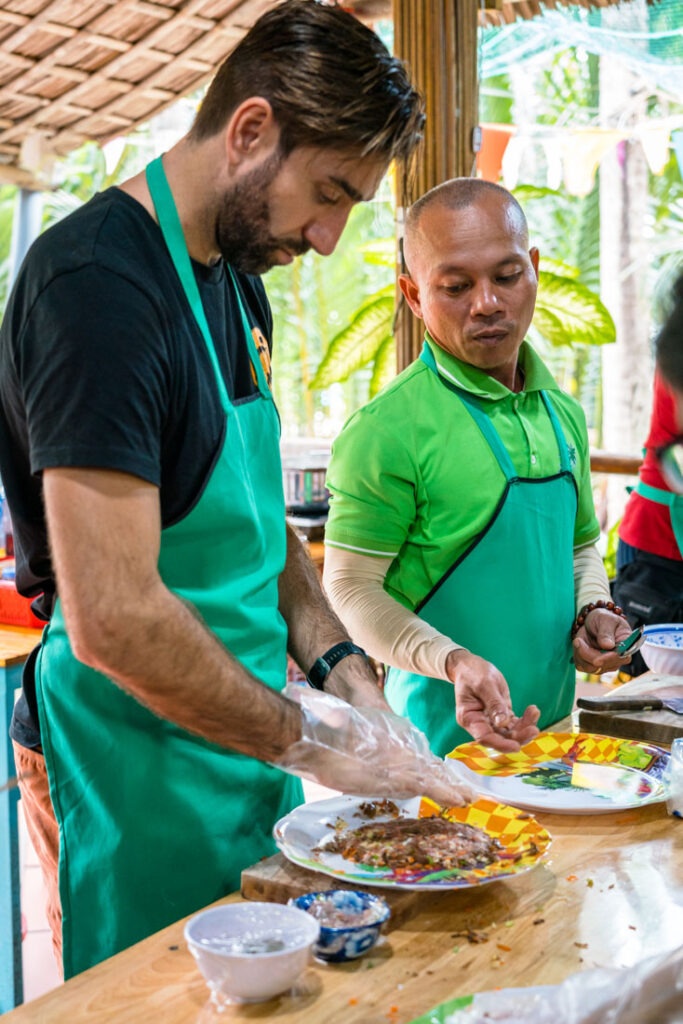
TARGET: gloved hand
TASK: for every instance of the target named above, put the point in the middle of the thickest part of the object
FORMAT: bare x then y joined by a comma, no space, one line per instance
368,752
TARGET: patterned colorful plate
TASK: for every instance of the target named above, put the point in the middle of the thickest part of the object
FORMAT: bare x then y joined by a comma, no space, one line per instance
568,773
525,842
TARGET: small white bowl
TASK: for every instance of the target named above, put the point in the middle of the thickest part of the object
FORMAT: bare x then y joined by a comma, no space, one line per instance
663,648
233,946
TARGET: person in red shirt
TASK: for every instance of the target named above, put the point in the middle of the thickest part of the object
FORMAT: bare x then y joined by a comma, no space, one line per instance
649,583
670,363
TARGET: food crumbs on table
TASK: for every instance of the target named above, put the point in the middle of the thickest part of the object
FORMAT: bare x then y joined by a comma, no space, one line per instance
581,945
611,886
590,883
471,935
509,924
353,1001
505,949
173,947
633,928
571,878
456,949
539,920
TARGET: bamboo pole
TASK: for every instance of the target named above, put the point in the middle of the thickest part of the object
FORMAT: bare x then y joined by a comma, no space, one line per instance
438,41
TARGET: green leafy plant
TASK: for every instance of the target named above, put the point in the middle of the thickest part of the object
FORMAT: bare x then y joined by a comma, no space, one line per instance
567,313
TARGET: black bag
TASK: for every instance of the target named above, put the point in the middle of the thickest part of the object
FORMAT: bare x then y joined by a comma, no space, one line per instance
649,589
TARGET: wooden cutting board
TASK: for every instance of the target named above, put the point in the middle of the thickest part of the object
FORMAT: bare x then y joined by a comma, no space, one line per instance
651,726
276,880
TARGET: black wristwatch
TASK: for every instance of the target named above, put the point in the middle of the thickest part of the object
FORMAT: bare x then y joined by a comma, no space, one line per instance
324,665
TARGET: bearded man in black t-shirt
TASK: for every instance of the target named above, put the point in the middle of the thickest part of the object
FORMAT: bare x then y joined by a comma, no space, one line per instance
134,386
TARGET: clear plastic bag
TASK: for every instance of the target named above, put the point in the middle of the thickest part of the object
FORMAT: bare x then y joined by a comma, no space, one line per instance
650,992
674,779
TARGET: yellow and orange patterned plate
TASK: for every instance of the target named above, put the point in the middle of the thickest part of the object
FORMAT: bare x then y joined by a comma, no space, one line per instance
304,832
568,773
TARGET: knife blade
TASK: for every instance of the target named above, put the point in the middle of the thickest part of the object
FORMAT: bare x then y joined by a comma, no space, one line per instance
653,703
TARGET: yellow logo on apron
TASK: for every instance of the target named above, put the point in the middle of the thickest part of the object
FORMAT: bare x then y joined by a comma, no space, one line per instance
264,356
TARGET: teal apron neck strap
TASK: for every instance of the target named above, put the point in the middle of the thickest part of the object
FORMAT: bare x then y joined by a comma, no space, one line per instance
565,464
172,230
474,407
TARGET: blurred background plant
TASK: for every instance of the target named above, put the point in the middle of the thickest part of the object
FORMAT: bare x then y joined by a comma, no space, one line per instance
333,345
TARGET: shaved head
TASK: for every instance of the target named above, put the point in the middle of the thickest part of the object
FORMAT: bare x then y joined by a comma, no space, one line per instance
458,194
470,273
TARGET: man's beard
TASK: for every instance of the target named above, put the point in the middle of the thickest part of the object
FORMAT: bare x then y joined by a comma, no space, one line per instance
243,223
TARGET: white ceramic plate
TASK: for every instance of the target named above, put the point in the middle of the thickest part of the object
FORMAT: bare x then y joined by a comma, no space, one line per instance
568,773
309,826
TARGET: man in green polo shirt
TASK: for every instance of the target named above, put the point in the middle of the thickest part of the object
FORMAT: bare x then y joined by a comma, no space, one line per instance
461,539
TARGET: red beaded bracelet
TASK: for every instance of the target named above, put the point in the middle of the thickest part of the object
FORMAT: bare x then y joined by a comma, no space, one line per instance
610,606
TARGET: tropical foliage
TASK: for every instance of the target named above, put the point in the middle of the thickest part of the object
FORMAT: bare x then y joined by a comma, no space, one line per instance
313,299
567,313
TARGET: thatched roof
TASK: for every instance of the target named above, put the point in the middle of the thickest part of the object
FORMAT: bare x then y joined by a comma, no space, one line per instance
73,70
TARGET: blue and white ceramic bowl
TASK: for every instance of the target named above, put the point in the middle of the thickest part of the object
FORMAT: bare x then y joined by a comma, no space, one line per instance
663,648
348,941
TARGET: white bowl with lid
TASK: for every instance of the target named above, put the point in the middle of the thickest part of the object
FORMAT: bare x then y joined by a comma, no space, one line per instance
249,952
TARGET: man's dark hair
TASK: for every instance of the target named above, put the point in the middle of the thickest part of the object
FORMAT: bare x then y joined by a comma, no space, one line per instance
458,193
330,81
670,340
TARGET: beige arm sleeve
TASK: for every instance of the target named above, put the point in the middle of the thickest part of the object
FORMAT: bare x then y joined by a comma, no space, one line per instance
391,633
384,628
590,578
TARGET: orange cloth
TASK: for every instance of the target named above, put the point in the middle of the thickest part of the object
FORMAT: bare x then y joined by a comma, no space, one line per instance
43,831
494,140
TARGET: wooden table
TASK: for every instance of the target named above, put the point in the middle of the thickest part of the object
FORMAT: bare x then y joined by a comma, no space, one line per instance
16,643
610,894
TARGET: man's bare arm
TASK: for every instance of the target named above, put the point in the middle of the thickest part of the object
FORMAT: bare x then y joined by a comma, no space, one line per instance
122,620
314,628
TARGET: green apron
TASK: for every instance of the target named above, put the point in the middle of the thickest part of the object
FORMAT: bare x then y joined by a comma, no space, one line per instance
155,823
675,503
509,598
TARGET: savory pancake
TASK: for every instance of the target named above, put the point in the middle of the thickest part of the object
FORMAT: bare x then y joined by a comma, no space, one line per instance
435,844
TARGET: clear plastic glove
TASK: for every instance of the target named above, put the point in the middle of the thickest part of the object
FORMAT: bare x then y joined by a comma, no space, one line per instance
368,752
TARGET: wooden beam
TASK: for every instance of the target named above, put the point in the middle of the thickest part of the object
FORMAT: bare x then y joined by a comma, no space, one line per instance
609,462
438,41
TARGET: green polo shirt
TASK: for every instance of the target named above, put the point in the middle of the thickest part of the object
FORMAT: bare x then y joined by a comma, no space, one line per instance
411,476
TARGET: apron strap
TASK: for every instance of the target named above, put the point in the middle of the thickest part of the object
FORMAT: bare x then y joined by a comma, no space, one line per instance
565,465
251,344
656,494
478,415
476,409
172,230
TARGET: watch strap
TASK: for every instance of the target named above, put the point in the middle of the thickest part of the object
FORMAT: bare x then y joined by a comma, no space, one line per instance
323,665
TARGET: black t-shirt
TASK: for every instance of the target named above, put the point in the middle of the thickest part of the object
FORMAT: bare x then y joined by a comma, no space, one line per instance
102,364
